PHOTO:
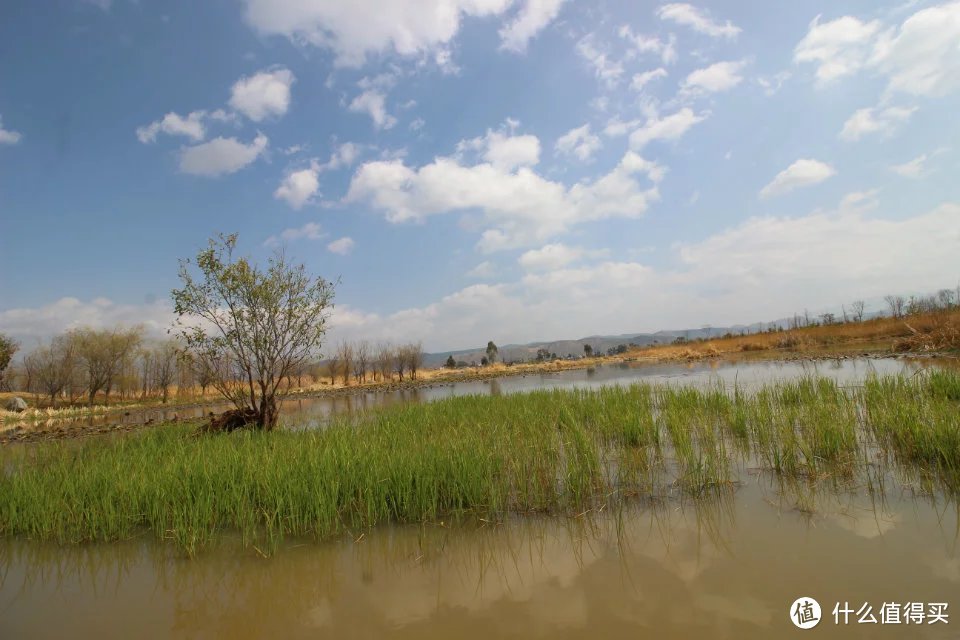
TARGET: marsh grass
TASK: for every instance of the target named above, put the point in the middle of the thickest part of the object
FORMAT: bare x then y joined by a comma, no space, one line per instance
563,452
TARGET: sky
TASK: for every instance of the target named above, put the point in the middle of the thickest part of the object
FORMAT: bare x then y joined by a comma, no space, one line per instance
473,170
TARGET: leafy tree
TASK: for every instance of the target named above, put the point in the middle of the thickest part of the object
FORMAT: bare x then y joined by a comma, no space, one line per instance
484,362
253,325
101,354
492,352
587,350
451,363
8,347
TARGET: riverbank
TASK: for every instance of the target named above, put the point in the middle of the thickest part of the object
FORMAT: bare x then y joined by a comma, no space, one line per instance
557,452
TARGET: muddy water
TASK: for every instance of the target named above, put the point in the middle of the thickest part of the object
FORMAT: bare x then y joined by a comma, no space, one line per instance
308,411
719,568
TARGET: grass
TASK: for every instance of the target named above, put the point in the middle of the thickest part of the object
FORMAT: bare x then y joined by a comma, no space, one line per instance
548,451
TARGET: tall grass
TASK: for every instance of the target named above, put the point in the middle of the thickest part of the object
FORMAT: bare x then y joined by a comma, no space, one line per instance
547,451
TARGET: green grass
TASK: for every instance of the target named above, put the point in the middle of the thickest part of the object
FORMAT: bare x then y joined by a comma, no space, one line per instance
548,451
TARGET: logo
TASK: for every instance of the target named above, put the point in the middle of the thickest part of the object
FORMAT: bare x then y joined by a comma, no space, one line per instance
805,613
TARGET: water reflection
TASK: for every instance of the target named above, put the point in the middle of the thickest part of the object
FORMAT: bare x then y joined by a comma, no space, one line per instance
726,566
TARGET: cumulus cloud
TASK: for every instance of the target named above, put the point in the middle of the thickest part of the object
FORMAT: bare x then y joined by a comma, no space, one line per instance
641,80
918,58
482,271
299,187
173,124
839,48
918,167
263,95
503,150
373,103
530,20
554,256
718,77
519,206
671,127
309,231
802,173
579,142
875,120
643,44
342,246
7,136
690,16
221,156
361,28
761,269
607,70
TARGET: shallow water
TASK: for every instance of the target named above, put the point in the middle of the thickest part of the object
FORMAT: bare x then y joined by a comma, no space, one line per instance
297,412
722,568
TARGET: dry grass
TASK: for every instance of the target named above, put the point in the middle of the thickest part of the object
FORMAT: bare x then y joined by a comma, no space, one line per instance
936,331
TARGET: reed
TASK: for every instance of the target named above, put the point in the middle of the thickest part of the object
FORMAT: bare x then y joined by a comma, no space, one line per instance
548,451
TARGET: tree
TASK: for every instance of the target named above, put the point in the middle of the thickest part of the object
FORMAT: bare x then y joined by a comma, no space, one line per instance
384,360
261,323
345,357
362,352
413,354
53,366
101,355
492,352
896,304
450,363
858,307
399,361
8,347
164,366
587,351
484,362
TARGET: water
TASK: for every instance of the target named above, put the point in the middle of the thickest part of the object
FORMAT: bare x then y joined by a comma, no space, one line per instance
309,410
723,568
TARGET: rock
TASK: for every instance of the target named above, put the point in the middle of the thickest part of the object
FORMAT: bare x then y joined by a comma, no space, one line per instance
16,404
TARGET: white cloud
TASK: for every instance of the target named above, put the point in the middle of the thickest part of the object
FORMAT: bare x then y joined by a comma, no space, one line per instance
876,120
551,256
916,168
641,44
763,268
579,142
802,173
7,136
606,69
221,156
840,47
671,127
309,231
360,28
519,206
299,187
482,271
718,77
923,58
373,103
689,16
343,246
504,151
174,124
343,156
532,18
641,80
263,95
772,84
920,58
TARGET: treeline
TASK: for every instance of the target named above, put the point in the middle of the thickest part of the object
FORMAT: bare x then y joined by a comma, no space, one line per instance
362,360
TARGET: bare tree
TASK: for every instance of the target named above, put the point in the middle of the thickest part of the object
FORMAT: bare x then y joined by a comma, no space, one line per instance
384,360
257,323
53,366
362,356
345,356
400,361
413,354
101,355
164,367
858,307
896,304
945,298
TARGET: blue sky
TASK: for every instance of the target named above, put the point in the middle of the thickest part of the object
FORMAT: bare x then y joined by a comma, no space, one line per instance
481,169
